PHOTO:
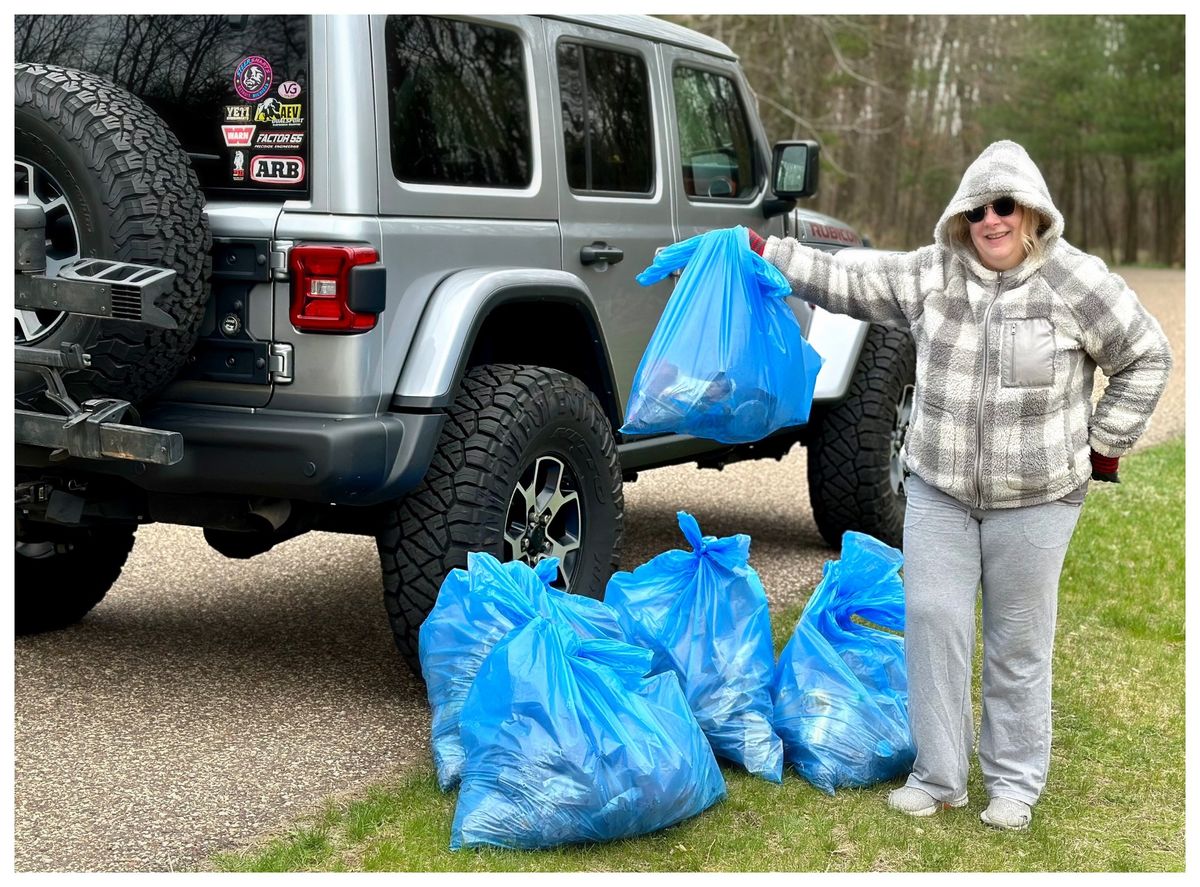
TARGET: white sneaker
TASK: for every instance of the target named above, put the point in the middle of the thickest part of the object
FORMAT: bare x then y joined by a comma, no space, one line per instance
916,802
1005,813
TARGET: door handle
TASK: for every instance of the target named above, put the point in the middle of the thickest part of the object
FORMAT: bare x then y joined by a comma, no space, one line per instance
600,252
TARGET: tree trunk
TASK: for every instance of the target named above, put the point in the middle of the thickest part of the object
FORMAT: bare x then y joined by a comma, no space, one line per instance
1130,256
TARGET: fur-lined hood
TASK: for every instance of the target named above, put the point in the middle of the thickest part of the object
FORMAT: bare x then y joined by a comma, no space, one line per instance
1003,169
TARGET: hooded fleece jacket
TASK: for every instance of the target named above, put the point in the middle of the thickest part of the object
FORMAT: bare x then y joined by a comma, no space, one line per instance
1005,360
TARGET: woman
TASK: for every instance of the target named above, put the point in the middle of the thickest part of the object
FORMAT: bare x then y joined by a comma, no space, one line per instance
1010,323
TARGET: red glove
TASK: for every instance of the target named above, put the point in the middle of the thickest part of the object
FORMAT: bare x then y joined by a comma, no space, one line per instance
756,243
1105,468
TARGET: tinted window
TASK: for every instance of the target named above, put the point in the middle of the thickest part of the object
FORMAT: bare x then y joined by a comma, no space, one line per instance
233,89
458,103
716,149
606,119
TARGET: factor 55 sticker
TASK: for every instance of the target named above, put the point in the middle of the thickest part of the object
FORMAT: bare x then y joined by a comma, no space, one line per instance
274,170
252,78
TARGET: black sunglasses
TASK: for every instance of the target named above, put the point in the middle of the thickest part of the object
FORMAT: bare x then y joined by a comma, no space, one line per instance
1002,207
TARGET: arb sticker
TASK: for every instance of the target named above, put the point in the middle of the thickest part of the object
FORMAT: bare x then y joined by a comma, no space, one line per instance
238,136
252,78
277,170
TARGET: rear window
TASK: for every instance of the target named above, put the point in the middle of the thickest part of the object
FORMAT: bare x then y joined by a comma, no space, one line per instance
233,88
458,103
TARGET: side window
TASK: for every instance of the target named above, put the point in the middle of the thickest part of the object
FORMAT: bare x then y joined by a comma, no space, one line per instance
458,103
607,130
715,145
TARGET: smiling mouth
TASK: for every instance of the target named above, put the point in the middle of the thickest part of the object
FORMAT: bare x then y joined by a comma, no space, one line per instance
997,236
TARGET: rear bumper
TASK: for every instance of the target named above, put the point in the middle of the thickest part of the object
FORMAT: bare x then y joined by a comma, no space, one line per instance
346,460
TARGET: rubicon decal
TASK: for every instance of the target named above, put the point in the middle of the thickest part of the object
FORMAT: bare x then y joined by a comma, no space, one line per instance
252,78
277,170
238,136
832,233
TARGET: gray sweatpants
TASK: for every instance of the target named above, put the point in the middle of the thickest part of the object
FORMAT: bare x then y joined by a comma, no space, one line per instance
1017,553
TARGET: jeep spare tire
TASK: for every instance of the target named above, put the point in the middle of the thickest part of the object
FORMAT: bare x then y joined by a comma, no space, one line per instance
114,183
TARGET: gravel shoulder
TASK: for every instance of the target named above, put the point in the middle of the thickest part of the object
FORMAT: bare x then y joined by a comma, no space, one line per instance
209,702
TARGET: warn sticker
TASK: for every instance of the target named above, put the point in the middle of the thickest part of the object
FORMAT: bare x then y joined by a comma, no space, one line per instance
277,170
238,136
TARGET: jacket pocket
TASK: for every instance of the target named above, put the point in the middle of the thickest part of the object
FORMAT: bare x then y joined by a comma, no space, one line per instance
1027,354
1037,454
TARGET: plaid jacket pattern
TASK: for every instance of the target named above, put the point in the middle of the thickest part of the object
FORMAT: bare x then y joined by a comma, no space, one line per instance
1005,360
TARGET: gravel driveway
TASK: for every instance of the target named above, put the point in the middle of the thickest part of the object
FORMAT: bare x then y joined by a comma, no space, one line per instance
208,702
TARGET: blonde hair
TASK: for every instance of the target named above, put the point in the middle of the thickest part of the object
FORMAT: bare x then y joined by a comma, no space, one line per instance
1033,225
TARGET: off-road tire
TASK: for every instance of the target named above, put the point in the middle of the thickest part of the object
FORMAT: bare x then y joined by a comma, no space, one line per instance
135,198
503,418
850,454
61,588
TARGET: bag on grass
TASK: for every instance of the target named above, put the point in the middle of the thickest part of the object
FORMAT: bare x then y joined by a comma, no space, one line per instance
727,360
568,741
840,690
704,615
475,608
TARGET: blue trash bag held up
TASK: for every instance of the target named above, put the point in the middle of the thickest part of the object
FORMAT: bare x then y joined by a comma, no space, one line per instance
704,614
474,609
567,741
727,360
840,689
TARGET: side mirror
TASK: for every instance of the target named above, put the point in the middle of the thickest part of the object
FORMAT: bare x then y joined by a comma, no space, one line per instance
796,169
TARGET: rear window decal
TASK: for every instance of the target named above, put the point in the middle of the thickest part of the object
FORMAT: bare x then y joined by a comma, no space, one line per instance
277,114
239,166
238,136
252,79
275,170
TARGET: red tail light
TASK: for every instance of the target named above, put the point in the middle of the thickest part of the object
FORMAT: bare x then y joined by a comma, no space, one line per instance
335,288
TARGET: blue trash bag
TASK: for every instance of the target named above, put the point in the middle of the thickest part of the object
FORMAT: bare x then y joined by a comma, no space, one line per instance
727,360
704,615
568,741
475,608
840,689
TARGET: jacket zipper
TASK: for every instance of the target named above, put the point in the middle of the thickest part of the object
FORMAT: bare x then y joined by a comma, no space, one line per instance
987,317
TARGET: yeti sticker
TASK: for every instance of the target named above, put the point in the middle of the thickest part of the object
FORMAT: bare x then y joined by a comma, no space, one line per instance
277,170
252,78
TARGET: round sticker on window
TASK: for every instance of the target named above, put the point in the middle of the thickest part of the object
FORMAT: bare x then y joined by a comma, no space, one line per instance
252,78
289,89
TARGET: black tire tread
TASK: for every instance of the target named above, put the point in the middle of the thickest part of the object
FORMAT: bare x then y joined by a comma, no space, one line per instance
156,216
58,591
849,457
454,510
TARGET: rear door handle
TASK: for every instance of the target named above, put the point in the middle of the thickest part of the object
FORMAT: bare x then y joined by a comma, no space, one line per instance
600,252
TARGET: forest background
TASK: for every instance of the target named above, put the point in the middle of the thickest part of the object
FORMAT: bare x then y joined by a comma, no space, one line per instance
901,104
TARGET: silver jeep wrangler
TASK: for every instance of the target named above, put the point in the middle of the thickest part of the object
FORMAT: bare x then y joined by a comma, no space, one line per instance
375,274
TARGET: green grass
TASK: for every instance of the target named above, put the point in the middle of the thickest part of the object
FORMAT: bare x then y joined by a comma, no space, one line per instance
1114,801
